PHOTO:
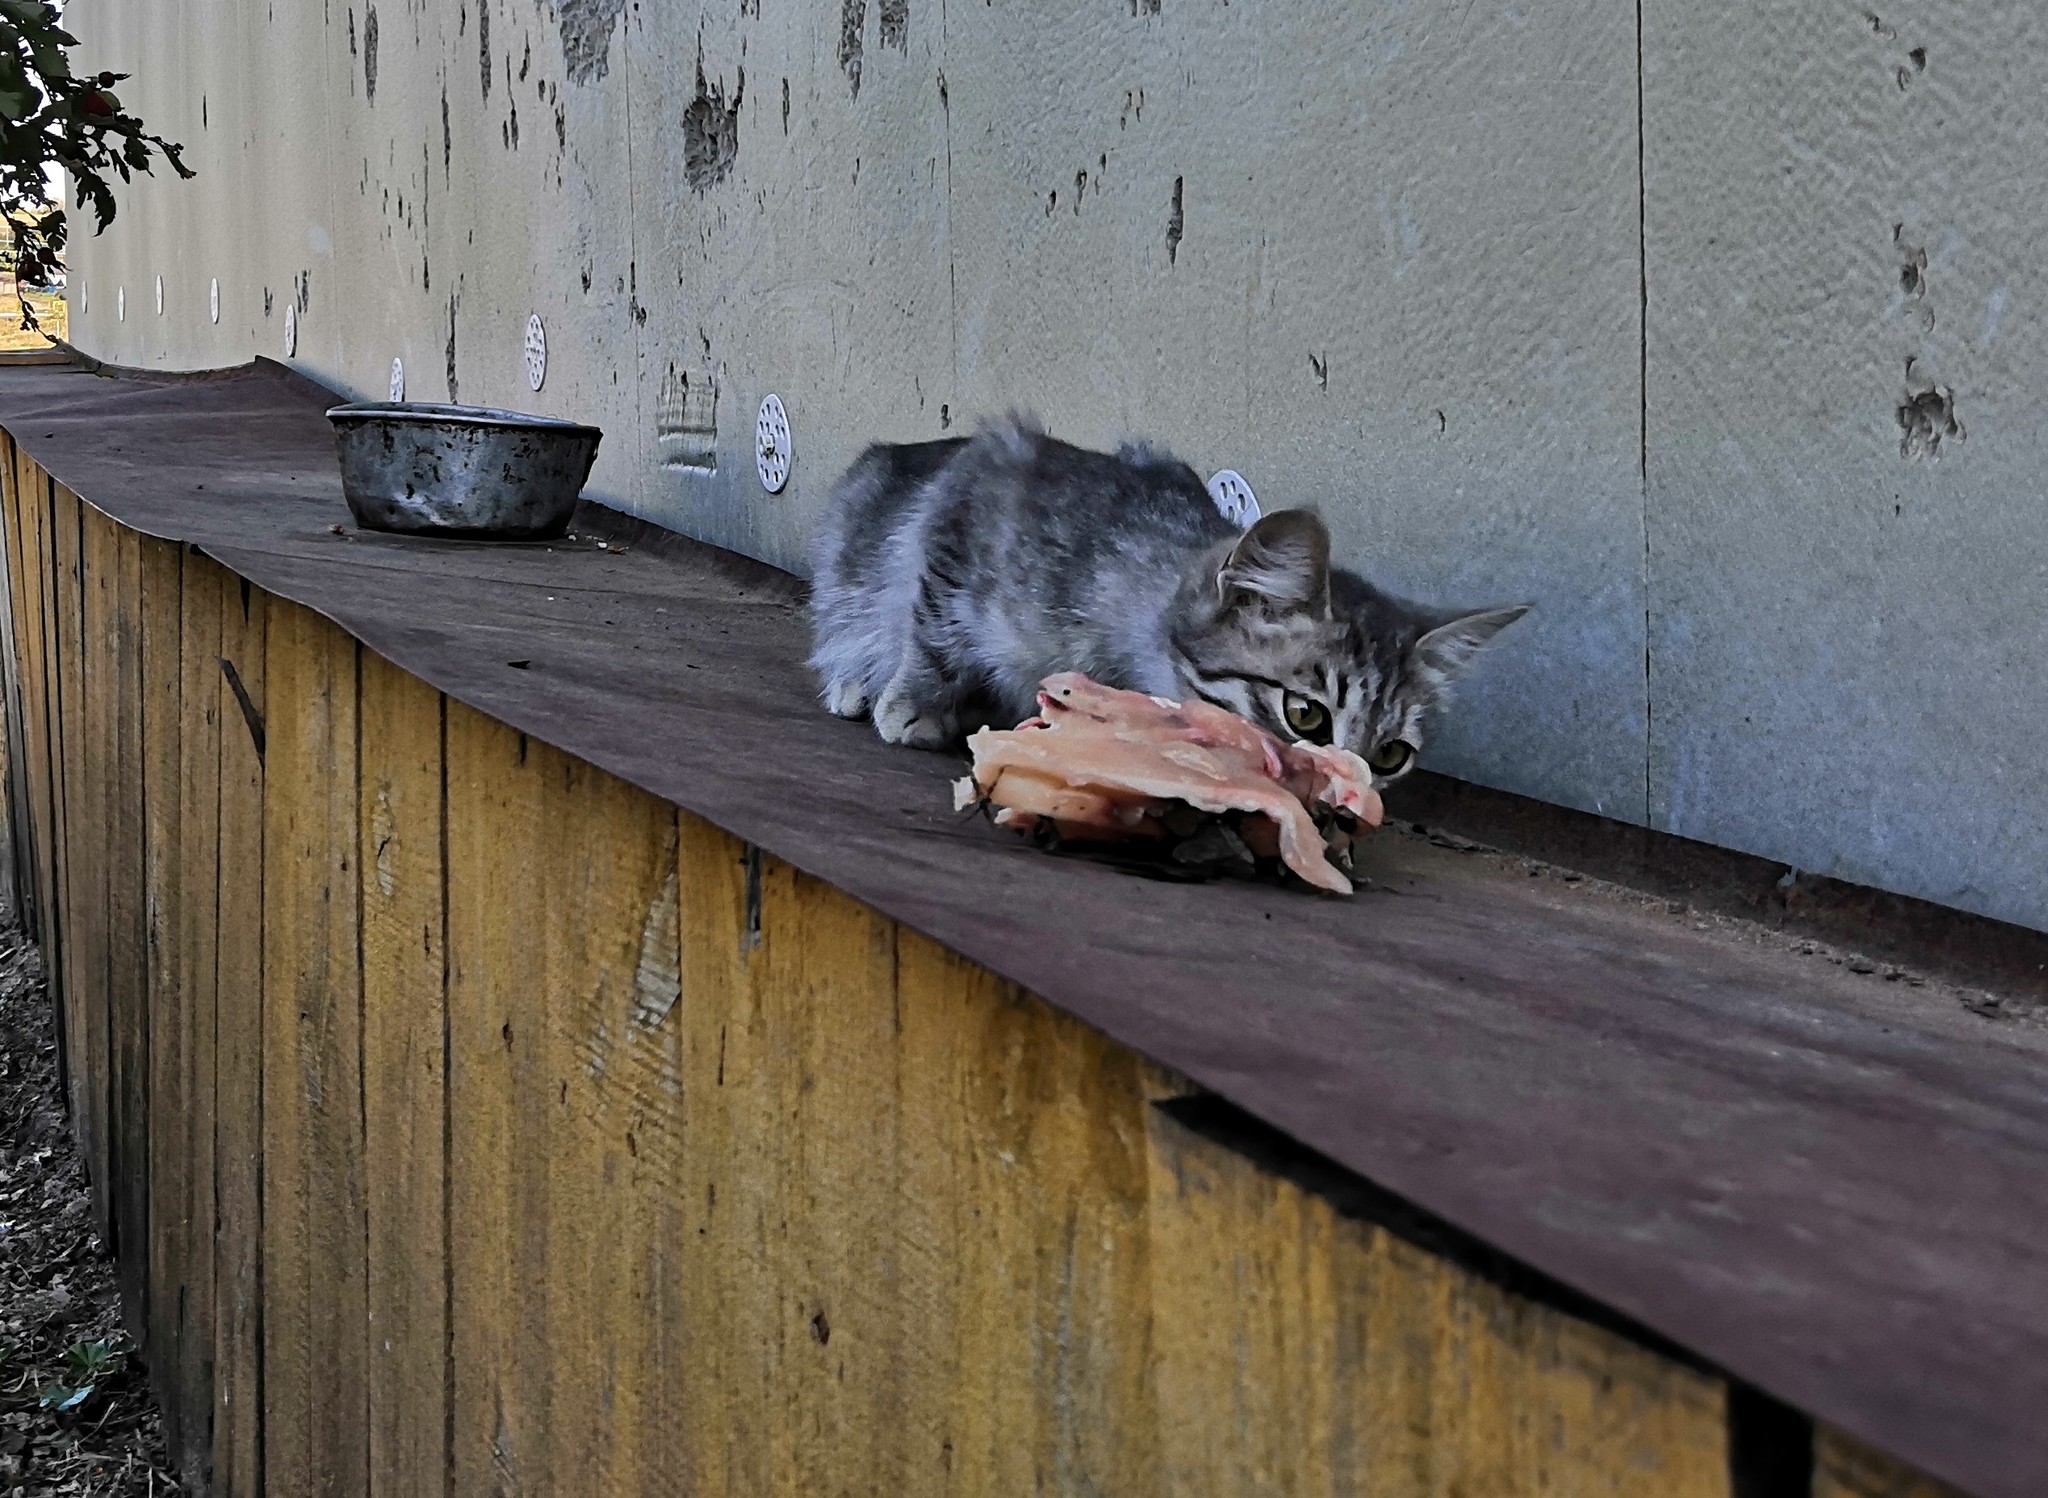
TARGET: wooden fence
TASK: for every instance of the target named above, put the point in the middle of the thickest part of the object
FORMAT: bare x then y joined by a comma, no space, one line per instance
467,1121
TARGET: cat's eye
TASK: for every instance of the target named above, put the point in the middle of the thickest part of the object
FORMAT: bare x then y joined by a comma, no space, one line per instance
1391,758
1306,717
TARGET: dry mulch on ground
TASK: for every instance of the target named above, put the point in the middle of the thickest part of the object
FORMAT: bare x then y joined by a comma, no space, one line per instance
76,1417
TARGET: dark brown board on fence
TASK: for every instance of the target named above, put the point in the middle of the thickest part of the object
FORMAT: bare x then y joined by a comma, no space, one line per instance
1841,1208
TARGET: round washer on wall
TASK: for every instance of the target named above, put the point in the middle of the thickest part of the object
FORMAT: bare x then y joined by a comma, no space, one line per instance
772,447
213,298
398,379
536,353
291,330
120,304
1234,498
159,296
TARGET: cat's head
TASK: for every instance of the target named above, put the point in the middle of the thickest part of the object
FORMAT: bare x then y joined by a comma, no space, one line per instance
1268,629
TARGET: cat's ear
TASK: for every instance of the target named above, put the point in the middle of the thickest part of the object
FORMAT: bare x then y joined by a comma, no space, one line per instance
1445,649
1283,562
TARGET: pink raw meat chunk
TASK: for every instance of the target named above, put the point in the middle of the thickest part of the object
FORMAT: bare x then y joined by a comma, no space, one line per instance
1105,764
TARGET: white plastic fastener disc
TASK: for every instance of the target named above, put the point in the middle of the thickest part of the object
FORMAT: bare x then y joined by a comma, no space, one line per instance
84,302
772,445
291,329
398,379
121,304
213,298
536,353
159,296
1234,498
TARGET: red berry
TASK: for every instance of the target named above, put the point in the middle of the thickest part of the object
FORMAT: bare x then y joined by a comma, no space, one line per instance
97,104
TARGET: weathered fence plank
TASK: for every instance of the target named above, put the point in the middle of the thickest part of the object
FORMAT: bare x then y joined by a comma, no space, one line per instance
127,920
168,1103
315,1347
239,1001
405,1079
497,1077
83,982
198,875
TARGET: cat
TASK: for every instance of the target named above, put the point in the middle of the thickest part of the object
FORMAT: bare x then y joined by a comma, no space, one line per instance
950,577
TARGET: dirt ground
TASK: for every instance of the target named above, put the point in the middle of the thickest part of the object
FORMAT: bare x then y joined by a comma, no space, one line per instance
76,1417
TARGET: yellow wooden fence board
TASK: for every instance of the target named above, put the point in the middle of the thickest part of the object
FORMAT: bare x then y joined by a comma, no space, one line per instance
33,495
497,1233
791,1049
159,605
827,1040
128,1009
315,1382
725,1421
197,856
1846,1468
91,846
25,506
1303,1352
83,719
1024,1190
21,840
404,1077
30,769
608,900
238,1049
68,755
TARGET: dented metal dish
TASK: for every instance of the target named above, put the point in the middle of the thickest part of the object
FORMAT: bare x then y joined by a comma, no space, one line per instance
461,471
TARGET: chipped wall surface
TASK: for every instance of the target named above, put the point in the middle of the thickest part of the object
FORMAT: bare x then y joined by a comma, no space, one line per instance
1709,335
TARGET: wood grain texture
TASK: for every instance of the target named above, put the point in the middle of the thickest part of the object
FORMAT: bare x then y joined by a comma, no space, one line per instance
1846,1468
128,1012
32,492
608,901
1025,1187
1301,1351
92,843
82,868
198,875
404,1078
497,1225
315,1378
239,1001
24,513
21,890
160,731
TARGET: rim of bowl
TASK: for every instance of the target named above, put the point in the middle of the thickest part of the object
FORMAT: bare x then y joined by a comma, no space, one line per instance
427,413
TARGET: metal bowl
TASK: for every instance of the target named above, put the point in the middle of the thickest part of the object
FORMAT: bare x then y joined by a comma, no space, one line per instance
461,470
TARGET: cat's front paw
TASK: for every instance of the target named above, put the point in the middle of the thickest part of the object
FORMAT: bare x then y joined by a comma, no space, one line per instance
845,699
901,721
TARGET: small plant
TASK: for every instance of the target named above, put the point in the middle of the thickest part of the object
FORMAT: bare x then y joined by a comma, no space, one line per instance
49,117
87,1365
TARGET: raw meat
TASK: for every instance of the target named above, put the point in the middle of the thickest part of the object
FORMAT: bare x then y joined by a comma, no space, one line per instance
1103,764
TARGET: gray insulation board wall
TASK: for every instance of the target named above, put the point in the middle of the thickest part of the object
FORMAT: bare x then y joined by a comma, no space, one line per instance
1715,333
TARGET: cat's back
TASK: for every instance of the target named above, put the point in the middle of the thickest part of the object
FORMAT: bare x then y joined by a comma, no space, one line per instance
1033,489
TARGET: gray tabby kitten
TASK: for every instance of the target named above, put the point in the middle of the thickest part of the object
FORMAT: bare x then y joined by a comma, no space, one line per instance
951,577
